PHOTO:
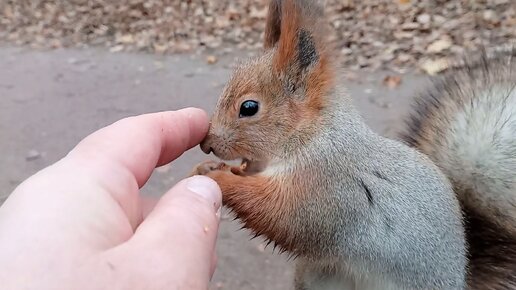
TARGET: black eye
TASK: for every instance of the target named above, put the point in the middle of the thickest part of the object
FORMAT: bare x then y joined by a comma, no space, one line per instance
249,108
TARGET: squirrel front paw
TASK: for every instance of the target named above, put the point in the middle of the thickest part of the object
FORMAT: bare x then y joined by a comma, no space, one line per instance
206,167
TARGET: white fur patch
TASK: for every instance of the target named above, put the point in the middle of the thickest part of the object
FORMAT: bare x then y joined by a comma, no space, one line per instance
277,168
481,144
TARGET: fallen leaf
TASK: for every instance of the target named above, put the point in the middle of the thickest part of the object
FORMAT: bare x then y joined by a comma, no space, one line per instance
127,39
160,48
211,59
439,45
392,81
433,67
423,18
410,26
8,12
490,16
258,13
116,48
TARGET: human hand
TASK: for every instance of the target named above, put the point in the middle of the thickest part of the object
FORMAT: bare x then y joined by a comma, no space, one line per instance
81,223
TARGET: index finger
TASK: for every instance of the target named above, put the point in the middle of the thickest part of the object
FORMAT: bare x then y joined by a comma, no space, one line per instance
139,144
120,158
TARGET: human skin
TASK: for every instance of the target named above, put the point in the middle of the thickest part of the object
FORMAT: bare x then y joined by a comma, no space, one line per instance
81,223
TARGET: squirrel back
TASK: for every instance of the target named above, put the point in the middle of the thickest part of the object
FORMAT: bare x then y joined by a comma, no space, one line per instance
466,124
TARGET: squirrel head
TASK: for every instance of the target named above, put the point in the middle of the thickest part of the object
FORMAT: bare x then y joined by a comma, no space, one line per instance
278,95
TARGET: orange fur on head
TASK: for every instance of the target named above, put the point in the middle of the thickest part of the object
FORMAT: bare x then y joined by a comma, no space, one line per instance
273,26
288,41
320,81
295,20
290,81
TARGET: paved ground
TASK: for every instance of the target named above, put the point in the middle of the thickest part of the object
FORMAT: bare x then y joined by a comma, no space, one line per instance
50,100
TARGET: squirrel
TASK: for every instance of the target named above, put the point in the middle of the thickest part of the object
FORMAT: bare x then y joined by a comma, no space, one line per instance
435,210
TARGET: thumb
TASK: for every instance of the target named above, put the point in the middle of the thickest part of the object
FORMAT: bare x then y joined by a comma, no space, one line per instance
178,236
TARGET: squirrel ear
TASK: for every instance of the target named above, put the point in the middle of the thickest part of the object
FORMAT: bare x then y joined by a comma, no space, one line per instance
273,24
306,50
300,34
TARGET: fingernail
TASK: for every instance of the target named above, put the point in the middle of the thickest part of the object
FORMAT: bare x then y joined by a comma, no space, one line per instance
206,188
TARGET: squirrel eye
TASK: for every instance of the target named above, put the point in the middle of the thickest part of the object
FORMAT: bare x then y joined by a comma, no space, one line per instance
248,108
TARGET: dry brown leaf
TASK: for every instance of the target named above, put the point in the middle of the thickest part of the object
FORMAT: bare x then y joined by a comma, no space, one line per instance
424,18
392,81
433,67
126,39
160,48
439,45
116,48
258,13
211,59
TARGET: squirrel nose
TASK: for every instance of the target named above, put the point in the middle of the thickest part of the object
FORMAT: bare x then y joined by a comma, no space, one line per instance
208,150
205,146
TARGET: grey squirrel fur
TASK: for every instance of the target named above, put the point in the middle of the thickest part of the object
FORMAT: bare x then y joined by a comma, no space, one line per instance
360,211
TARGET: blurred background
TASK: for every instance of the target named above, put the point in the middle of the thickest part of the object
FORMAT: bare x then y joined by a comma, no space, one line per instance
70,67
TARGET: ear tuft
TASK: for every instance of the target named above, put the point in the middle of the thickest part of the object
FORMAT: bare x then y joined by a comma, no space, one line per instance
301,58
273,24
307,52
301,35
290,28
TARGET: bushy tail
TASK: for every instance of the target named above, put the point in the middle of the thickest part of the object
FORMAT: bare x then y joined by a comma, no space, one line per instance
466,123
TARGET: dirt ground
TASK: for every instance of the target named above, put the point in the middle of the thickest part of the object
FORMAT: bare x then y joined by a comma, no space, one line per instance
51,100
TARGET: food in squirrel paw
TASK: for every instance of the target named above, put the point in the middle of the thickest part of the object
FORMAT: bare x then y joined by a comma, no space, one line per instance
207,166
